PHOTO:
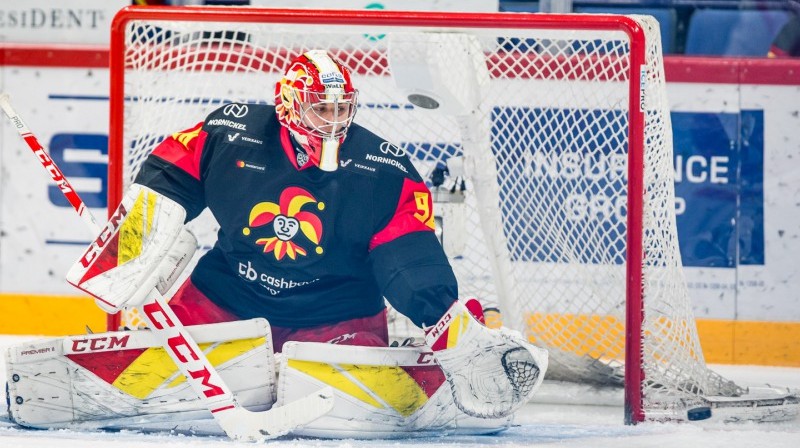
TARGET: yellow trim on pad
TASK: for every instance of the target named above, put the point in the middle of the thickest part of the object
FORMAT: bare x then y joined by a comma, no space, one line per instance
456,329
149,371
154,367
332,376
391,384
223,352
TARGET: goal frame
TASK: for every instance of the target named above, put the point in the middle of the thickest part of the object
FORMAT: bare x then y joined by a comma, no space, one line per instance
634,314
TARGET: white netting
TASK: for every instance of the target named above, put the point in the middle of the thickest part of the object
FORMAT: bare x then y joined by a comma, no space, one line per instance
539,119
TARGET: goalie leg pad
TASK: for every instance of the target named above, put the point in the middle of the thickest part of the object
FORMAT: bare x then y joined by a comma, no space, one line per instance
120,379
492,372
380,392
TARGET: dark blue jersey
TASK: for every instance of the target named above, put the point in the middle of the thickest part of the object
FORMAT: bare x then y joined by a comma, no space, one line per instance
297,245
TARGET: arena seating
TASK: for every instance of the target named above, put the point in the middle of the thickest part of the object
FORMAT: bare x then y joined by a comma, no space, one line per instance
729,32
693,28
667,20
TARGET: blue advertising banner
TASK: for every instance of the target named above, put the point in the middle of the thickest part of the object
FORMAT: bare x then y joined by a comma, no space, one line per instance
719,171
580,173
719,188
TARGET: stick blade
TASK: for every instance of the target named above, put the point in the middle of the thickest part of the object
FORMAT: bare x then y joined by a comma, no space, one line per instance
243,425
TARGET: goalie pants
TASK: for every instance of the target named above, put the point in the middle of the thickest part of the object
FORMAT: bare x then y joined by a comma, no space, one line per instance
194,308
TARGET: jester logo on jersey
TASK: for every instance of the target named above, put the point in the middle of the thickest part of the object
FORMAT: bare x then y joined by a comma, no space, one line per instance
287,218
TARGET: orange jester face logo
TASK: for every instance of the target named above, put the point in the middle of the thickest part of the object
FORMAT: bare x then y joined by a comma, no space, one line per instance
288,220
291,91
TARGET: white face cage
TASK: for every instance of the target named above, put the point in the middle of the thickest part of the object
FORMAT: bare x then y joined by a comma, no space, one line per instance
327,115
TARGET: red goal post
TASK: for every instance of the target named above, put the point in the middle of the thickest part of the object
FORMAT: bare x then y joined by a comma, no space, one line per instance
560,123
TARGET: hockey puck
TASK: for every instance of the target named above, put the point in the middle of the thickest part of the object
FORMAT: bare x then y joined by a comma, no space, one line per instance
698,413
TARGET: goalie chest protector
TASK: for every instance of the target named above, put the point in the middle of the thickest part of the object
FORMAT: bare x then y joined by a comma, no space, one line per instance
295,242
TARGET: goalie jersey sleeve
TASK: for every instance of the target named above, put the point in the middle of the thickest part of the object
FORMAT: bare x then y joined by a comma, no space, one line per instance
173,169
408,260
296,245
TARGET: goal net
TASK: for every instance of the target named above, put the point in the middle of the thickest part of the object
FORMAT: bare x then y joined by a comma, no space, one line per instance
545,138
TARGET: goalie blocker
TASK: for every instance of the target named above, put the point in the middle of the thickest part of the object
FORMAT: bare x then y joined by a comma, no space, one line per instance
144,245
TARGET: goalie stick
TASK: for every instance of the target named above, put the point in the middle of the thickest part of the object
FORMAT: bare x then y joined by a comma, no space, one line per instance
237,422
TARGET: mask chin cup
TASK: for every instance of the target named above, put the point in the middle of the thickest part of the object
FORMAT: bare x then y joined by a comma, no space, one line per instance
329,159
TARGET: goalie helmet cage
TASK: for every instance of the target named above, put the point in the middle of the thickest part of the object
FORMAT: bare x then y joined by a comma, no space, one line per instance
561,125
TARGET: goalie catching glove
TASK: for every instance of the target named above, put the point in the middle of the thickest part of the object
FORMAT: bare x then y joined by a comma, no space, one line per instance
142,246
492,372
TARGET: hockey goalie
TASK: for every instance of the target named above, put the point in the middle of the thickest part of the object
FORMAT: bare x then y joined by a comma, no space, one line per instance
321,221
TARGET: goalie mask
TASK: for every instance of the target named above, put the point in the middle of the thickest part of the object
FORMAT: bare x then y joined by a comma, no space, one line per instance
316,101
